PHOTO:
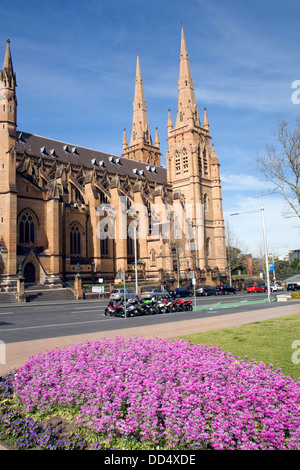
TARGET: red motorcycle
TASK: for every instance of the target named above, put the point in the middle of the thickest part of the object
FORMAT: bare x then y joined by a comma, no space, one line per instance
114,310
184,305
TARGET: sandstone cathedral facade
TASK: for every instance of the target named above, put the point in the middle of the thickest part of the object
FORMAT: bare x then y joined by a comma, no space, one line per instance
66,209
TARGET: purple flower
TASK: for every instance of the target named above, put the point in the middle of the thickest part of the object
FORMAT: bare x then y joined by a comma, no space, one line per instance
168,393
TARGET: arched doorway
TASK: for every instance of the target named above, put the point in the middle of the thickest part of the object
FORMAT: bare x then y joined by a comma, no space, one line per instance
29,273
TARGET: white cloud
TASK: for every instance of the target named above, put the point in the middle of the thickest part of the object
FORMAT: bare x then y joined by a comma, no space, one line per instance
244,182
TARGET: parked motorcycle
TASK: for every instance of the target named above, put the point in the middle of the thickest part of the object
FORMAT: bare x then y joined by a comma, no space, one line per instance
172,306
161,306
132,309
184,305
149,306
114,309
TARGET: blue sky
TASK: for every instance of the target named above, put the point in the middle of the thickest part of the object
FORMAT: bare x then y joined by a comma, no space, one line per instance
75,64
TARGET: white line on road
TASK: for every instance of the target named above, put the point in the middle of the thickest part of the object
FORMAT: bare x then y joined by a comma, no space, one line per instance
85,308
55,324
6,313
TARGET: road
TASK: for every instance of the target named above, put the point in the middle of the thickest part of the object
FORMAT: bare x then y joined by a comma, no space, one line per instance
27,322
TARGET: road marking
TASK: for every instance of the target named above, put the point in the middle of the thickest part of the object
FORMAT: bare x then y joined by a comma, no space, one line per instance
55,324
6,313
85,308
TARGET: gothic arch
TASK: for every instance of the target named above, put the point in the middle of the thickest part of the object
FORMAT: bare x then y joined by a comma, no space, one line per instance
76,238
27,227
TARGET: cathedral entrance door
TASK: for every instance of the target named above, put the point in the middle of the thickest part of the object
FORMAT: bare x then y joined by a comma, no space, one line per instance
29,273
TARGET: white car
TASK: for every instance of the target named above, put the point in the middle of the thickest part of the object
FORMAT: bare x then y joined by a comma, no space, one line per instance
119,294
275,287
156,293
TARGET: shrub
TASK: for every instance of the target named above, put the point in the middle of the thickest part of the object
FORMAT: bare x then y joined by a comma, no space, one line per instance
296,295
166,394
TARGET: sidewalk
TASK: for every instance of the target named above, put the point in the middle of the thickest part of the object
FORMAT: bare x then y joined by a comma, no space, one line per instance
18,353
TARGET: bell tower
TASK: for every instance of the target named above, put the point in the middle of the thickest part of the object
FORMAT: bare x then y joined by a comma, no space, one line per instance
192,172
8,189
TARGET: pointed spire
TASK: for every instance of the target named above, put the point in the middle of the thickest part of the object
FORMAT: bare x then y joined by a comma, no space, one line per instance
7,64
140,126
214,157
187,106
157,142
170,123
205,122
124,139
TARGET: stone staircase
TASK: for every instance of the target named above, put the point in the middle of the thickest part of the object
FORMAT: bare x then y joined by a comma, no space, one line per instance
7,298
46,294
38,294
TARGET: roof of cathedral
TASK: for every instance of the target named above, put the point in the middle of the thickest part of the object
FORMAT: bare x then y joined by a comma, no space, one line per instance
53,150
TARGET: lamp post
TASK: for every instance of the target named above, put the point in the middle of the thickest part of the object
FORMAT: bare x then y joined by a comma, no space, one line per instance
265,242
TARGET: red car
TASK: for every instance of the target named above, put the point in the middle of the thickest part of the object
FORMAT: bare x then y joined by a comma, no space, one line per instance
255,288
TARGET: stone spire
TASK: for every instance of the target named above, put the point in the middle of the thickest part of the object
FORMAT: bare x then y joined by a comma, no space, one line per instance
8,112
124,139
205,122
187,113
214,157
140,127
157,142
170,123
7,64
141,147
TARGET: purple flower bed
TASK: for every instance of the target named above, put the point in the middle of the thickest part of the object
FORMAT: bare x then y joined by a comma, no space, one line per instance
166,394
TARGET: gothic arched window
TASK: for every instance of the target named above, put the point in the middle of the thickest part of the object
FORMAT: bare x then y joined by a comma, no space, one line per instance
177,162
185,160
75,239
26,228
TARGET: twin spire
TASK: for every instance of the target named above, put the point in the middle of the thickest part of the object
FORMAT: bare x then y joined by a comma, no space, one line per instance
187,112
141,146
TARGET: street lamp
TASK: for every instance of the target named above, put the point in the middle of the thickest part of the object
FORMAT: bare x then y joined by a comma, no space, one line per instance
265,242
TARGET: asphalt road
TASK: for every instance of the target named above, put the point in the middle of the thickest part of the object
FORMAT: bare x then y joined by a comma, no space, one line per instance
34,321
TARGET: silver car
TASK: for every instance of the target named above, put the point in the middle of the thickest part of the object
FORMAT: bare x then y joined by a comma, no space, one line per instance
119,294
156,293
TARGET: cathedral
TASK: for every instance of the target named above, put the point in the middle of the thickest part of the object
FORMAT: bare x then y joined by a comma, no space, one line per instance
65,209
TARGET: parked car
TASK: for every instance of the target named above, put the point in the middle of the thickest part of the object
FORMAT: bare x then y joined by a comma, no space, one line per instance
293,286
255,288
225,289
264,288
119,294
205,290
180,292
156,293
275,287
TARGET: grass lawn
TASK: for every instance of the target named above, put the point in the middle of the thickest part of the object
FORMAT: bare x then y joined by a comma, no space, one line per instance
268,341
